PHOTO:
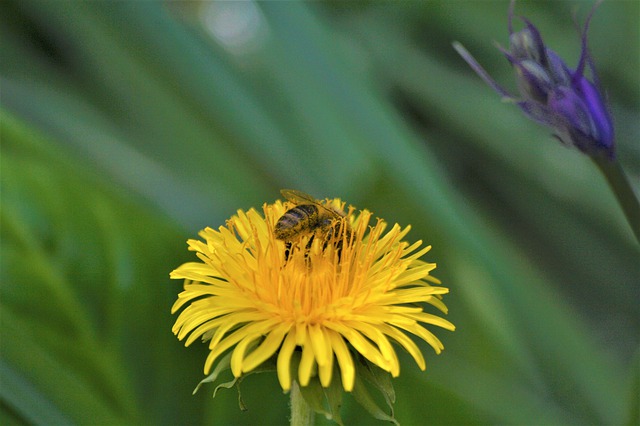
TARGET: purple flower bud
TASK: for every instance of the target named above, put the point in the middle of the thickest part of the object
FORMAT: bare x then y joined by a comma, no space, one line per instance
552,93
533,80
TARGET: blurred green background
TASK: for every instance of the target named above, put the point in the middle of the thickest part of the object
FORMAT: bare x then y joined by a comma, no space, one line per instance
128,126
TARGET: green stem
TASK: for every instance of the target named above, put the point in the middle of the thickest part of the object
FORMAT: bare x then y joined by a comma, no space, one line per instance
301,412
623,191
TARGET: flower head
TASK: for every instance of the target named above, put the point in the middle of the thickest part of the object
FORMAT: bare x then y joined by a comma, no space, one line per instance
553,94
329,298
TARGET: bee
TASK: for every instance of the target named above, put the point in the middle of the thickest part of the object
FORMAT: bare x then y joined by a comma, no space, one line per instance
309,217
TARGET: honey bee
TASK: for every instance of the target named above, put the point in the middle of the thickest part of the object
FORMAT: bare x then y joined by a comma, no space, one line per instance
308,217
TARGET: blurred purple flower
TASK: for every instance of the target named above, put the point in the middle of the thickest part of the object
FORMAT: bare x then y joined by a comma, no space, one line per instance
552,93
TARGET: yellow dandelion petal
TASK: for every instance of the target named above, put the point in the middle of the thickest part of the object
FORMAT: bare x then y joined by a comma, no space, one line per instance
266,349
415,328
350,285
221,347
374,333
407,255
404,341
301,334
321,348
307,362
414,275
193,271
434,301
218,327
360,344
384,243
283,365
413,295
325,371
432,319
347,369
227,323
238,353
247,331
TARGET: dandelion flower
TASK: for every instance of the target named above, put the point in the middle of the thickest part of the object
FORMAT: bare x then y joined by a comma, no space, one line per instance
259,298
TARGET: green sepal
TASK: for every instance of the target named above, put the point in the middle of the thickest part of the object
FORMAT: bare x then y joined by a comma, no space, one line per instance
334,393
315,395
380,379
222,365
328,401
365,371
225,364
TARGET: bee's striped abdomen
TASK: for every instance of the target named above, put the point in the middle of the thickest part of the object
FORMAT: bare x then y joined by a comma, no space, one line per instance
299,219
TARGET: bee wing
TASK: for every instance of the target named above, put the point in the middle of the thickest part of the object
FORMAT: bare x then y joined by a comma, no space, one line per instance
300,197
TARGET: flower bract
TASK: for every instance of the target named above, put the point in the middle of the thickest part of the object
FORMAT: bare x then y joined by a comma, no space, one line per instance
330,301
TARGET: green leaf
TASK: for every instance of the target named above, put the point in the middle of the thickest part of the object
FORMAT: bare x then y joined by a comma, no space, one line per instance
633,417
77,282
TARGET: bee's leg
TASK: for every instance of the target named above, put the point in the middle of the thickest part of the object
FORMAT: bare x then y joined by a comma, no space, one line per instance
287,250
337,235
307,248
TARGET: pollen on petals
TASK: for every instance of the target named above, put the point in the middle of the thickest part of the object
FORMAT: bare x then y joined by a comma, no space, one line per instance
359,290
